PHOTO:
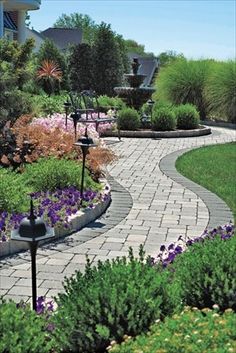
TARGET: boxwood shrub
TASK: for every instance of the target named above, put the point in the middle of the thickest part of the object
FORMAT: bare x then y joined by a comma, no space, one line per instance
191,331
23,331
205,274
128,119
187,116
163,119
122,296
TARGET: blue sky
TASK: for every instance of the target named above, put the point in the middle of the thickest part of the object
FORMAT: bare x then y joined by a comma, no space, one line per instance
196,28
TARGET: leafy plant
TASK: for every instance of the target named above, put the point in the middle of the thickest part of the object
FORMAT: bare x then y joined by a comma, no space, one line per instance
23,331
220,90
163,119
51,173
187,117
206,274
50,73
122,296
191,331
13,193
128,119
184,81
107,103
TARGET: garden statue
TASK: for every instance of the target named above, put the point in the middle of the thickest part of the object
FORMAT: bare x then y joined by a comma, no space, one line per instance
135,66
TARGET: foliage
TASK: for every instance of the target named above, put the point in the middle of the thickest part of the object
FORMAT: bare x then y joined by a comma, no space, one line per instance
221,91
11,154
135,48
23,331
190,331
81,67
214,168
14,71
163,119
50,73
184,81
51,173
108,66
12,192
210,275
79,21
48,51
128,119
107,103
168,57
43,105
187,116
116,297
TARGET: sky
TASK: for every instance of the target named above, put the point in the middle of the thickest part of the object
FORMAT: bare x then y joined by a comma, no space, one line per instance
196,28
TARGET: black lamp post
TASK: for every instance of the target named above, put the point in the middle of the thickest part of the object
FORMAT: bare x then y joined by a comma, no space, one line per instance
32,229
67,106
76,116
85,143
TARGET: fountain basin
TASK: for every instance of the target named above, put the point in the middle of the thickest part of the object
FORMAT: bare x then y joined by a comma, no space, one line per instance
134,80
134,97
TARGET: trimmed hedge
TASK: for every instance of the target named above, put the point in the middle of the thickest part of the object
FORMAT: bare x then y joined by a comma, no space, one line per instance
163,119
187,117
128,119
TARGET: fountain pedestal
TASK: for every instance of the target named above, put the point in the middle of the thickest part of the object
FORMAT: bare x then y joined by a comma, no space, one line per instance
134,95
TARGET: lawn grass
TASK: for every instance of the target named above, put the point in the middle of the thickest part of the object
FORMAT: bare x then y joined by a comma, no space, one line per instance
213,167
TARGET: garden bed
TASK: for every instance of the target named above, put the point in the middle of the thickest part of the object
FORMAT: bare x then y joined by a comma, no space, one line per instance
201,131
76,222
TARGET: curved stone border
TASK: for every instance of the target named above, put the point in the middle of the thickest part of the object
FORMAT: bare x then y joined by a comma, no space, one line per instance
219,124
219,212
204,130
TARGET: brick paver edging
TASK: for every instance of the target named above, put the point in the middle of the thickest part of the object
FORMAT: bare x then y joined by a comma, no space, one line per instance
219,212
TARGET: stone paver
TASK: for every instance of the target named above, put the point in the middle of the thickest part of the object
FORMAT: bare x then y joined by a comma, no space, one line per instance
151,204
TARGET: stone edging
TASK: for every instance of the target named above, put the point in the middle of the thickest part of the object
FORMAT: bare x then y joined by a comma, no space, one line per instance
160,134
219,212
219,124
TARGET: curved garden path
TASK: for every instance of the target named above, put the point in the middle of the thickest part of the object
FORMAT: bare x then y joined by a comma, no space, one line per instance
151,205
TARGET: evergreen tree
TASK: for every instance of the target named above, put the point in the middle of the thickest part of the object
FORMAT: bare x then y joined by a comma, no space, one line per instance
108,66
81,67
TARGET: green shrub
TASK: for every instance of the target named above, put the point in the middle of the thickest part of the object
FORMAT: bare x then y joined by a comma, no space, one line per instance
184,81
13,192
206,274
51,173
44,105
163,119
221,90
191,331
187,117
23,331
106,102
122,296
129,119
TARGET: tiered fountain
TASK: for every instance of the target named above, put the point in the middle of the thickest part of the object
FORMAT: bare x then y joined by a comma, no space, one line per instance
135,95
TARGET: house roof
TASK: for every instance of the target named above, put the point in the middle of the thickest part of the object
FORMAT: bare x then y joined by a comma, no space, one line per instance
148,67
8,22
63,37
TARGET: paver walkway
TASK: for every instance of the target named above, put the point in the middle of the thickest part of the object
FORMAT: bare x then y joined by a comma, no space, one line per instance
154,210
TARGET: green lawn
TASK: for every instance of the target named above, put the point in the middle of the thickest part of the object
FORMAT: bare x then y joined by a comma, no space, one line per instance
213,167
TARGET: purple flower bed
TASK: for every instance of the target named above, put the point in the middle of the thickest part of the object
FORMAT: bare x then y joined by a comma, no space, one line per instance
55,207
168,254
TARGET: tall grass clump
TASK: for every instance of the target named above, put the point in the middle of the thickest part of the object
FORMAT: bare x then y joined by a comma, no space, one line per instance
221,90
184,82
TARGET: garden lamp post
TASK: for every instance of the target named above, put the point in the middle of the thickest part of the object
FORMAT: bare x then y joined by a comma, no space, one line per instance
76,116
67,105
32,229
84,143
150,103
